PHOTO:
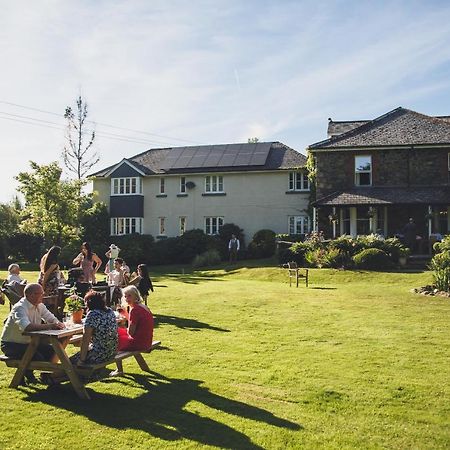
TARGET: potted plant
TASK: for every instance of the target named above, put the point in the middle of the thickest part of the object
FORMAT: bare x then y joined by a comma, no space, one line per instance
403,256
75,305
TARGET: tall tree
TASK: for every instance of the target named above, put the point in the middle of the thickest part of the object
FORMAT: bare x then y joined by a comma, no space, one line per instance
51,204
78,156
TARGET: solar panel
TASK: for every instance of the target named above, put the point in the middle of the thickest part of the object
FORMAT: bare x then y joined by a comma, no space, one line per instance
231,155
213,158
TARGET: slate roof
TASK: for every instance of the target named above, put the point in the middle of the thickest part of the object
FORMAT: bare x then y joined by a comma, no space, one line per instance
342,126
280,157
429,195
400,127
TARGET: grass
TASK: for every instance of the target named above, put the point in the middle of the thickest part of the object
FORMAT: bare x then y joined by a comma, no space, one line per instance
354,361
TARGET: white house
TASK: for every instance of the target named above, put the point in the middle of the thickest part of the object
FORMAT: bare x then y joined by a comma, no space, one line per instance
166,191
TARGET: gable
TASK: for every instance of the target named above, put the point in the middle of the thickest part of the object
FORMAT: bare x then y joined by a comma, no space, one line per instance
125,169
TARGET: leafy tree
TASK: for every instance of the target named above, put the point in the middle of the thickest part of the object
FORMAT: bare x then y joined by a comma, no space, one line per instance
51,204
253,140
9,221
78,156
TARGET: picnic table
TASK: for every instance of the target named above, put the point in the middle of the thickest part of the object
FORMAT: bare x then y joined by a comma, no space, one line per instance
55,339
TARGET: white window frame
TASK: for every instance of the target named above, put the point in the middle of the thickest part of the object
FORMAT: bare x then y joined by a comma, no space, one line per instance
162,185
214,184
182,185
299,224
126,186
183,224
298,181
125,225
161,226
358,172
213,224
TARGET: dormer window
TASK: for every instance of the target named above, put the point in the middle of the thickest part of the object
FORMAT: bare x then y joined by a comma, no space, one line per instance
126,186
363,170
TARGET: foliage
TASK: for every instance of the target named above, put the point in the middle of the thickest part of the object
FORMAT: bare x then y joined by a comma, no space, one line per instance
9,222
291,237
372,259
25,247
263,244
207,259
295,252
440,265
442,246
77,155
51,204
74,302
134,248
324,257
95,224
253,140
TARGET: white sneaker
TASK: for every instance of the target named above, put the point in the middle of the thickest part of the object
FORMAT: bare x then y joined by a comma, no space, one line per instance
116,373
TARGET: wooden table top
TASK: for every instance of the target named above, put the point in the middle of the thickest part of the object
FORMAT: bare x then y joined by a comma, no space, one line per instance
65,332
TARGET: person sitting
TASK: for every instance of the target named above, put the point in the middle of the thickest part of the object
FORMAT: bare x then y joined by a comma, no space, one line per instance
27,315
142,281
14,274
139,334
99,343
50,276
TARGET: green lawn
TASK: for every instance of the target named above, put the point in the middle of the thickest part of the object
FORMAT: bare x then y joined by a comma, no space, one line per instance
354,361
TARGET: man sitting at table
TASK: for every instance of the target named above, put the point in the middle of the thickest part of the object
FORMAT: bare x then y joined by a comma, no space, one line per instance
27,315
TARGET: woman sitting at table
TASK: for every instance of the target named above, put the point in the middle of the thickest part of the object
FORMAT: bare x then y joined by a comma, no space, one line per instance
99,343
139,334
50,276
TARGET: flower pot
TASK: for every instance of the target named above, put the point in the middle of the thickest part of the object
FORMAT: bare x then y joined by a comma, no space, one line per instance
77,316
403,260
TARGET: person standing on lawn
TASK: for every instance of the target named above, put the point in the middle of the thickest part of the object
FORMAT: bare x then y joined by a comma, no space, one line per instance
233,248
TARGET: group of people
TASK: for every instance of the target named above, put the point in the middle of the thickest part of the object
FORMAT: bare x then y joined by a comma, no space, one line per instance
102,337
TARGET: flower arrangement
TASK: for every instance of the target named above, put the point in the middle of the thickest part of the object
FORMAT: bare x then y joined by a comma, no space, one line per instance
74,302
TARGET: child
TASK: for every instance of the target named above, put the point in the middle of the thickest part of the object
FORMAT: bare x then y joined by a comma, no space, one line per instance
112,254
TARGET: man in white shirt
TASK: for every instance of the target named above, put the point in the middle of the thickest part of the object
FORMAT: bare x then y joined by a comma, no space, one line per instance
27,315
233,247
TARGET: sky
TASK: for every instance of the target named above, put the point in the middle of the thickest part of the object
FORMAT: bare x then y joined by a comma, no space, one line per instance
173,73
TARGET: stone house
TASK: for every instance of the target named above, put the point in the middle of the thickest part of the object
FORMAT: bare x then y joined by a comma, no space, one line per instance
166,191
373,175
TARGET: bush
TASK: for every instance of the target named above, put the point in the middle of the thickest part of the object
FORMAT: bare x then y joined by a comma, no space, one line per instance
440,265
263,244
134,248
442,246
372,259
25,247
207,259
296,252
327,258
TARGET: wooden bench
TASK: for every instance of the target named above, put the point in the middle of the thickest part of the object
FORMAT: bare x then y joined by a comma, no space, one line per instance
87,369
295,273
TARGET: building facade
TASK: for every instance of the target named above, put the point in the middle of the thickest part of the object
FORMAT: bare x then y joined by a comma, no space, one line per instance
373,175
164,192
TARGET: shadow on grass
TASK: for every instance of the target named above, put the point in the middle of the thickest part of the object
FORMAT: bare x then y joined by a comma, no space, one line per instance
163,410
185,324
323,288
195,278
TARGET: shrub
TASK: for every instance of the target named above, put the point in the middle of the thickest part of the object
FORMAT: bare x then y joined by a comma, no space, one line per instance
134,248
206,259
442,246
263,244
440,265
291,237
372,259
325,257
296,252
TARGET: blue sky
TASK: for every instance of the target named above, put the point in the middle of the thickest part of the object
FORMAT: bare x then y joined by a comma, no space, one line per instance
211,72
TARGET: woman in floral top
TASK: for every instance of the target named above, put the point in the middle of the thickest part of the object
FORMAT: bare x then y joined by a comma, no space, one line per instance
100,339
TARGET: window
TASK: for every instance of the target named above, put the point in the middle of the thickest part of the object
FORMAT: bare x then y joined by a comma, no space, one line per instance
162,226
298,181
362,221
182,185
213,224
162,185
363,170
214,183
126,186
182,225
298,224
126,225
345,221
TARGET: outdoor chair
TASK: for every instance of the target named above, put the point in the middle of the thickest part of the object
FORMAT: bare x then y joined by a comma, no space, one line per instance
12,293
295,273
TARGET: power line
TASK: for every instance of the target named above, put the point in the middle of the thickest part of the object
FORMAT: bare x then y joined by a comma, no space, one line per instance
103,124
104,134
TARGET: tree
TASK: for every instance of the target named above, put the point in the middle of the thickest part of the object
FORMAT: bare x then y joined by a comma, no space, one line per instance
51,204
78,157
253,140
9,221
